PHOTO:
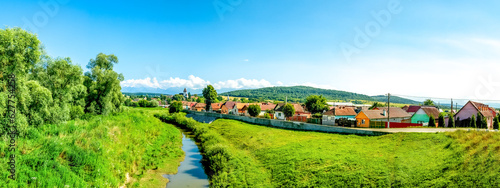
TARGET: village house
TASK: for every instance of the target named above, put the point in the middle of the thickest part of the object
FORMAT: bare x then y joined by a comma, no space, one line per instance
423,114
364,117
215,107
335,113
412,109
188,105
200,107
472,108
267,107
229,107
300,113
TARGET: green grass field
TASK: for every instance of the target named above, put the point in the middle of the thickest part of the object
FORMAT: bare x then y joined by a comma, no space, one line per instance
98,152
287,158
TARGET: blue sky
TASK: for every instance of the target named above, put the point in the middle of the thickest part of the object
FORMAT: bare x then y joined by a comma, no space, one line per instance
426,48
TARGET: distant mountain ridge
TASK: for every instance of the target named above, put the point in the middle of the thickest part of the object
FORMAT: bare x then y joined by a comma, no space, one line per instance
300,93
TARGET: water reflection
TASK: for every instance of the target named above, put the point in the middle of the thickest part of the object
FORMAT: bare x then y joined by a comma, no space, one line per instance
190,172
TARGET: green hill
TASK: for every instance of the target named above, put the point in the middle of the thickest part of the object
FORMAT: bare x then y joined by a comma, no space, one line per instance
300,93
394,99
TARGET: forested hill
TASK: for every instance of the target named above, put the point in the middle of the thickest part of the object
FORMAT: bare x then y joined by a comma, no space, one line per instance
300,93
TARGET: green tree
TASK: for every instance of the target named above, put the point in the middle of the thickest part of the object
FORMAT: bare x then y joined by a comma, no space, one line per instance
154,103
175,107
210,96
40,101
316,104
473,121
65,81
451,121
178,97
495,123
432,122
143,103
375,105
103,85
288,110
479,120
200,100
20,51
441,120
128,102
254,110
484,123
429,102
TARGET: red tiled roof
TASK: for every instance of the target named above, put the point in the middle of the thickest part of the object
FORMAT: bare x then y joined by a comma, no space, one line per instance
265,107
341,111
230,104
200,105
413,109
485,110
216,106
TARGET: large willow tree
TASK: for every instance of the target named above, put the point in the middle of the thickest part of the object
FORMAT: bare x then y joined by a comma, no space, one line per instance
103,85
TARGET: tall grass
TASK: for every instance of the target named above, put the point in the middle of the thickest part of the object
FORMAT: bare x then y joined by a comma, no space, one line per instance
97,152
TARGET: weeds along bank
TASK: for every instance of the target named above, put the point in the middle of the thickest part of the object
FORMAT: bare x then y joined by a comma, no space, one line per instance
98,152
226,165
287,158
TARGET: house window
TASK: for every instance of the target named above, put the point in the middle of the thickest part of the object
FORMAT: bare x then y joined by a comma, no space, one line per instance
362,121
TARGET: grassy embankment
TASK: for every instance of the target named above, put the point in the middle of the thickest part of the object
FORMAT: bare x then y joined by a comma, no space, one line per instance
99,152
286,158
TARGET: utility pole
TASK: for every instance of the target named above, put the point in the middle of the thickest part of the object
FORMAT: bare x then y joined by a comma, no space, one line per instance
388,109
451,106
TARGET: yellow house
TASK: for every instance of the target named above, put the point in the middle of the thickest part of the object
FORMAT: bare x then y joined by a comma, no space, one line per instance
362,120
396,115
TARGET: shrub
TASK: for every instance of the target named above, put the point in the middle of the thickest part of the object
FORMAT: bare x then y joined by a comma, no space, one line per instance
451,121
254,110
267,116
441,120
495,123
432,122
143,103
473,121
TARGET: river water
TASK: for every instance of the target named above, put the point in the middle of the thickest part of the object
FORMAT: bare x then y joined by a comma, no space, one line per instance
190,173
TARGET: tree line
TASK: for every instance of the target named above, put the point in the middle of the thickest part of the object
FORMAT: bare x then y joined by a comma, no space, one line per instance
53,90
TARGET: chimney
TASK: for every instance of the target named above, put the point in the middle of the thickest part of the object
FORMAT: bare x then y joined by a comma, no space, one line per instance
384,113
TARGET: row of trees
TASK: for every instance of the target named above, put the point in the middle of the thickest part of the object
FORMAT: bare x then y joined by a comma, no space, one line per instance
52,90
477,121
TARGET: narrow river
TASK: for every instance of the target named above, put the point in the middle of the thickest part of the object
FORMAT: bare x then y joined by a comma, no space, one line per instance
190,173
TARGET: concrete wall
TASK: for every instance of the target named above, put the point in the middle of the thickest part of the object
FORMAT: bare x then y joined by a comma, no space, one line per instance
290,124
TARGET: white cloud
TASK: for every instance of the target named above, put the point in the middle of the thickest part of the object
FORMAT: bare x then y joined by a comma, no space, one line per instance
194,82
246,60
147,82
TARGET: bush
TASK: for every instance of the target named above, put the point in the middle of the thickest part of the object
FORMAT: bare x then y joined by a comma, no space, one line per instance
441,120
451,121
432,122
175,107
473,121
267,116
495,122
143,103
254,110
